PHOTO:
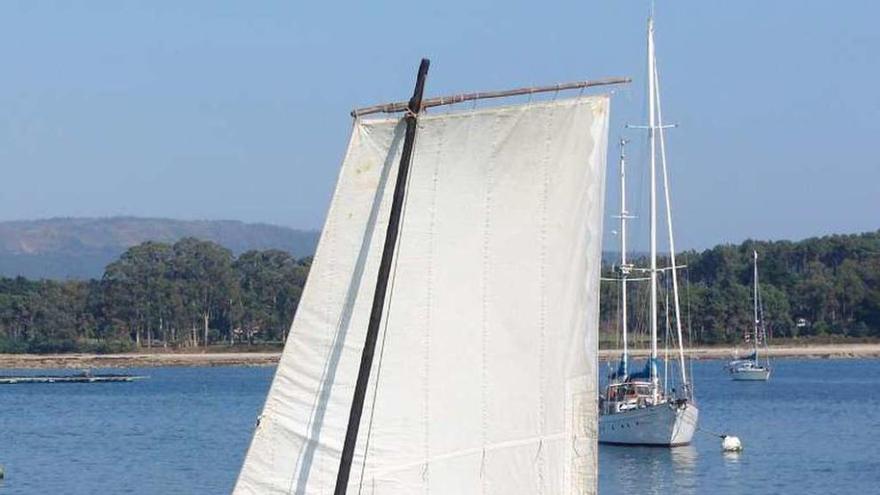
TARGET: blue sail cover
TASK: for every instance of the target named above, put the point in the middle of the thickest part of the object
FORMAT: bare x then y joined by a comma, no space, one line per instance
645,374
621,372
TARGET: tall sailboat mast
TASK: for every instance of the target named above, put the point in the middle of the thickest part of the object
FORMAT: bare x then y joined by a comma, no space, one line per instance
624,269
755,297
653,220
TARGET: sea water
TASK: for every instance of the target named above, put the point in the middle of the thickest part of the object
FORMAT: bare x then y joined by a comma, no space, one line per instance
813,428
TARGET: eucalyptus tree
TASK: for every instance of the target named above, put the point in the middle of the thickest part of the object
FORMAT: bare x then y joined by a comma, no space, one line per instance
271,285
136,289
205,283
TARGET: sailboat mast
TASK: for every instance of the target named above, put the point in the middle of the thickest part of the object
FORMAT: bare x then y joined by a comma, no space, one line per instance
391,234
623,268
755,298
653,221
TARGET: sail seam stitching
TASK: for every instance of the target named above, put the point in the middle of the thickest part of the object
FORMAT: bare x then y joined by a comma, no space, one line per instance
542,315
484,395
426,476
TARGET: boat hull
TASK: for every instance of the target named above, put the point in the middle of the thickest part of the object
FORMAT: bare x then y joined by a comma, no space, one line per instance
664,425
751,375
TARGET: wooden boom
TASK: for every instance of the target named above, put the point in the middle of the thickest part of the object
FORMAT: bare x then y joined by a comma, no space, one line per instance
401,106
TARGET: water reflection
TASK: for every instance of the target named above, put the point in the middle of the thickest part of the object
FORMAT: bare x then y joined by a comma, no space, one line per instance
732,458
651,470
684,459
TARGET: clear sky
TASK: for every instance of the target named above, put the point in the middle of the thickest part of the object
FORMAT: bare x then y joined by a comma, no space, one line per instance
239,110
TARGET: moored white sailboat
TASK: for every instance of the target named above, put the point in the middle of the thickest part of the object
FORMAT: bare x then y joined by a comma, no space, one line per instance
750,369
637,409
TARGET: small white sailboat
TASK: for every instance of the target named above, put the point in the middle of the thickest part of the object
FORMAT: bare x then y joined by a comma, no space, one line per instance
749,368
637,408
477,373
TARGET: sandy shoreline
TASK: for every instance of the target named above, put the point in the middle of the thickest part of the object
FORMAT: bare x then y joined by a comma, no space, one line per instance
137,360
818,351
150,360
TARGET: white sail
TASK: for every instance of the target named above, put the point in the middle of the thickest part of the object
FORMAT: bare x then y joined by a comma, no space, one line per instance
485,373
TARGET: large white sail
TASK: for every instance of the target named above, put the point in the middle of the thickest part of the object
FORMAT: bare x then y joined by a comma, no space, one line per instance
485,378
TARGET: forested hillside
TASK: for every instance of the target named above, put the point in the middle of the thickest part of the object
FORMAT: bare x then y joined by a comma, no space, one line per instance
193,292
815,287
188,294
80,248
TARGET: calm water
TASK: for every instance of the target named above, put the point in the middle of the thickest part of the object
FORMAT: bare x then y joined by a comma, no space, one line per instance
815,428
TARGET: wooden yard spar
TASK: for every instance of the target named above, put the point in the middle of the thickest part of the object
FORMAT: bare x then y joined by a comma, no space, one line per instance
485,95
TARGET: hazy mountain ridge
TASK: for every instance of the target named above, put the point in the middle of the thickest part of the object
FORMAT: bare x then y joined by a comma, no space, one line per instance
63,248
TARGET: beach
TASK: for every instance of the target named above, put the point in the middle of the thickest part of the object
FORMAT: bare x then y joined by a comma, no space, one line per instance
817,351
167,359
137,360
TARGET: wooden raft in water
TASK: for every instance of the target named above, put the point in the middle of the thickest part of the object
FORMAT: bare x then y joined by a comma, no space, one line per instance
80,378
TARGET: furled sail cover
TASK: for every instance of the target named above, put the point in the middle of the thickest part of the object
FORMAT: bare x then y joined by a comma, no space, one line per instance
485,378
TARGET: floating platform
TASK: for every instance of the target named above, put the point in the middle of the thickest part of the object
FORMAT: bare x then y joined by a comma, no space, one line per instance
80,378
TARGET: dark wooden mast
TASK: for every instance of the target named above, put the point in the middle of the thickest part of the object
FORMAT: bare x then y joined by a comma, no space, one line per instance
360,391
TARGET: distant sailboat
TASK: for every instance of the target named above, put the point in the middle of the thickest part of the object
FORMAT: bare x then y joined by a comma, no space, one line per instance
749,368
636,408
477,373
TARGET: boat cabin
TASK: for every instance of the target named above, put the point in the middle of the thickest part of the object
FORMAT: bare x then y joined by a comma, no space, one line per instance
626,395
744,365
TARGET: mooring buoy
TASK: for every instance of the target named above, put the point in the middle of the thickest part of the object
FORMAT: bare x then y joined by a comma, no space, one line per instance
730,443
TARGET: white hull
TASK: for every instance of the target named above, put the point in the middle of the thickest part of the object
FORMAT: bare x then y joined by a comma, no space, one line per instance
751,375
664,425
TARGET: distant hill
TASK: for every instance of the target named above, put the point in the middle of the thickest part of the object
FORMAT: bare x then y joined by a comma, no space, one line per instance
80,248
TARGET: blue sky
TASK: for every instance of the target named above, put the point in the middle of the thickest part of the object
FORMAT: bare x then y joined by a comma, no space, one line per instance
239,110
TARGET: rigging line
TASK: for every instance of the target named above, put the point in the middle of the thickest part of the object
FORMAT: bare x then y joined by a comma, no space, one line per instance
675,337
671,245
666,334
689,388
387,318
640,239
763,324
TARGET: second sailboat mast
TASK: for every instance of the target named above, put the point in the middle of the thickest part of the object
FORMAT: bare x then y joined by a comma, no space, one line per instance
624,270
755,298
653,233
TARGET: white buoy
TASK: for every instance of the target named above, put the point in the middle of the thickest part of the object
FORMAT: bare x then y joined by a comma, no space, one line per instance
730,443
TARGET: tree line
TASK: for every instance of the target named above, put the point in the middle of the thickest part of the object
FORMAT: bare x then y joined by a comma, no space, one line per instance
195,293
819,287
188,294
